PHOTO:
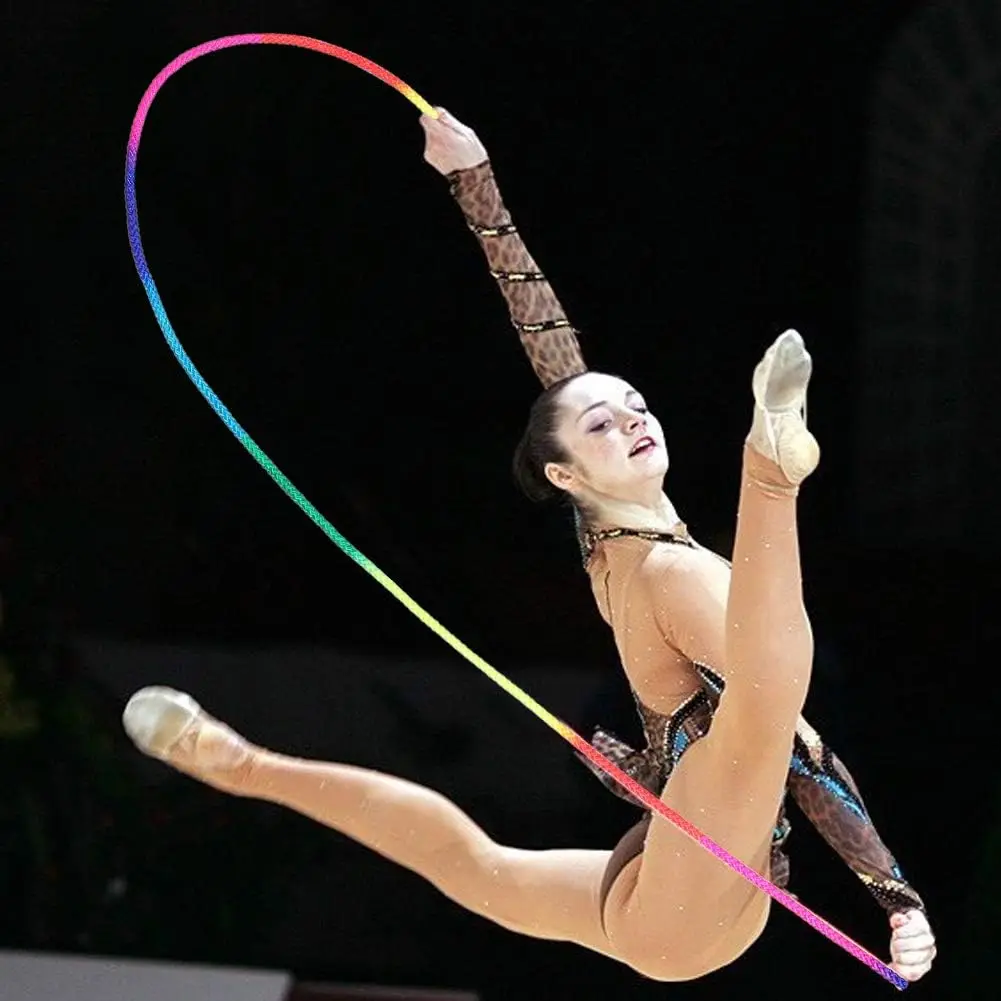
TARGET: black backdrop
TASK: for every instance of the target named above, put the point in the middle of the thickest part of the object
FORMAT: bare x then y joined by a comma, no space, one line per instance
691,177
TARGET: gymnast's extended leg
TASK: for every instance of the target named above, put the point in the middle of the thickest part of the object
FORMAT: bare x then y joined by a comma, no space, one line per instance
545,894
677,912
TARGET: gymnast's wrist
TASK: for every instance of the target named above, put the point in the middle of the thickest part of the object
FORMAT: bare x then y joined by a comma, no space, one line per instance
481,167
465,177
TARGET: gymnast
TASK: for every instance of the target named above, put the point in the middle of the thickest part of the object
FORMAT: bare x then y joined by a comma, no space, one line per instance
718,657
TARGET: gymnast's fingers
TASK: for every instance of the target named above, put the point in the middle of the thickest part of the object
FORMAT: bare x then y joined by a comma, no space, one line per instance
912,964
914,950
910,924
451,122
911,972
913,969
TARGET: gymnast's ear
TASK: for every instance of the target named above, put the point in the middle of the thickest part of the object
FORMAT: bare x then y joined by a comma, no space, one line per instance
561,476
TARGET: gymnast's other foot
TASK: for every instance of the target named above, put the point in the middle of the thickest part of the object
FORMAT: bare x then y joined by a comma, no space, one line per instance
779,431
171,726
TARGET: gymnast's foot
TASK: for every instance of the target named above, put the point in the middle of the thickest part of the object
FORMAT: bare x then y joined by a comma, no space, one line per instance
171,726
779,430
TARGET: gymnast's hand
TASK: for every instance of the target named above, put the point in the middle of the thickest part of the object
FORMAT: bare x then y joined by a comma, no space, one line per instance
450,145
912,945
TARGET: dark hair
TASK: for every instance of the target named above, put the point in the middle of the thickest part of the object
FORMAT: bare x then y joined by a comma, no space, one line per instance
540,446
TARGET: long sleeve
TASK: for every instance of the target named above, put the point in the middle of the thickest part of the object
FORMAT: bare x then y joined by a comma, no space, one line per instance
829,798
546,334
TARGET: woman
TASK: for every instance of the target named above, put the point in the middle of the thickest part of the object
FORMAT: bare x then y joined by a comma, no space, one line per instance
686,628
821,785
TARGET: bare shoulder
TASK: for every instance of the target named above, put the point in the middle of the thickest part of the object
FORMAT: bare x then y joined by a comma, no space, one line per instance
664,561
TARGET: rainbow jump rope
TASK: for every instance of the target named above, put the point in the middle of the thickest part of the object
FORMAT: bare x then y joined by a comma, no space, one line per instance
568,734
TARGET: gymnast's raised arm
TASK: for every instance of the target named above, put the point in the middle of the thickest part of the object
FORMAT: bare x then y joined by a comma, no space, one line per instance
547,336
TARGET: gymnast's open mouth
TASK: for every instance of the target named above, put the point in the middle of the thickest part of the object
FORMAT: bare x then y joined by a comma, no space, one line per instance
643,446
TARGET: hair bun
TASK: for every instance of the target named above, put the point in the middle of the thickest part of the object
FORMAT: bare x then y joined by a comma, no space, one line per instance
539,445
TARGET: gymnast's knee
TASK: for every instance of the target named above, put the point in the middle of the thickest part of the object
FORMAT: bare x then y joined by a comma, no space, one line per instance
759,705
782,659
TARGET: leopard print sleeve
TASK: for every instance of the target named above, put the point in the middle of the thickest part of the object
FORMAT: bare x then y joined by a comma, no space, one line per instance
829,798
546,334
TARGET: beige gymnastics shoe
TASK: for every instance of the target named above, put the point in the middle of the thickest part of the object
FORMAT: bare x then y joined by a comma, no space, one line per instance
779,431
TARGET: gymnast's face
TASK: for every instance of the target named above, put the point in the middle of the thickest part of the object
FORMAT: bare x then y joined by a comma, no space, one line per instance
615,445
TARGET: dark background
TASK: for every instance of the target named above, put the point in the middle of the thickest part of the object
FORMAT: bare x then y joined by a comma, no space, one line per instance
692,179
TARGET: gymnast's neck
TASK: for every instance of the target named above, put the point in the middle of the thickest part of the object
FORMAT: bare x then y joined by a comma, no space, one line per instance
651,515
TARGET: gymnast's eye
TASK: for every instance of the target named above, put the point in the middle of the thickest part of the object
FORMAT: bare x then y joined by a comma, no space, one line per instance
599,427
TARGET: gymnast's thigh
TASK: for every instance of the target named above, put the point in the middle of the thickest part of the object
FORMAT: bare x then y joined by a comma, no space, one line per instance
673,903
553,894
